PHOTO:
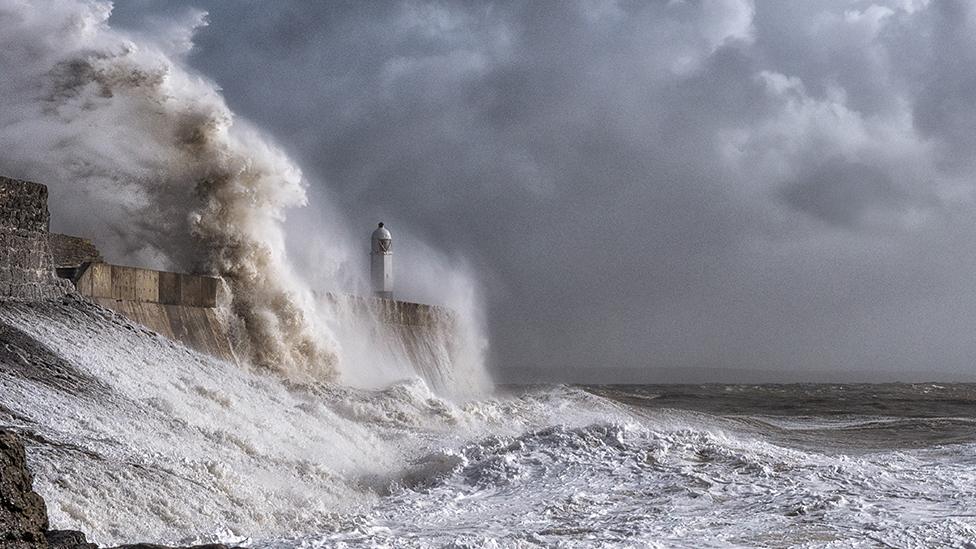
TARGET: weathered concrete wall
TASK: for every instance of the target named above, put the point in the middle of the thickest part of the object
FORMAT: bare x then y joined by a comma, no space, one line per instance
199,328
393,312
424,340
102,280
178,306
26,269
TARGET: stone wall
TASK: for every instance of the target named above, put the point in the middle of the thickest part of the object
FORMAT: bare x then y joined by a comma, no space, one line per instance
72,251
23,205
26,268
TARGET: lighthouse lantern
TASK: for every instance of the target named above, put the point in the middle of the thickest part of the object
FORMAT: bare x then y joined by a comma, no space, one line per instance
381,262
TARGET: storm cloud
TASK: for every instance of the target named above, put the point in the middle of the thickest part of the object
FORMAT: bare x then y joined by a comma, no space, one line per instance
656,191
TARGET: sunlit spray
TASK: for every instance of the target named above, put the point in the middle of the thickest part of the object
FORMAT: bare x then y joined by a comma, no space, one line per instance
144,156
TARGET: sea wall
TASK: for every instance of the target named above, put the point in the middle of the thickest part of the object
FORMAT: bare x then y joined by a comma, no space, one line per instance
178,306
393,312
414,338
102,280
26,268
199,328
422,338
35,264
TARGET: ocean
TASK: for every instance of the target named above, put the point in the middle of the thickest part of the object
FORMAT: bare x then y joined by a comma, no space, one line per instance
135,438
815,465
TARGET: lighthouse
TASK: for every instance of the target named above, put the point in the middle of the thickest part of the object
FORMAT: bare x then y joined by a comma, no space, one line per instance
381,262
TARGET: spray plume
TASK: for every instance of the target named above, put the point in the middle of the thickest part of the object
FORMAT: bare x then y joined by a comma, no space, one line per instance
147,158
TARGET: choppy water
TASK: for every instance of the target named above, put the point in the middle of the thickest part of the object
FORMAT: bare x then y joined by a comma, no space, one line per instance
134,438
700,466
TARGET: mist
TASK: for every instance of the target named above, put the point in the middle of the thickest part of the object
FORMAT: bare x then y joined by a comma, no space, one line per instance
142,155
661,191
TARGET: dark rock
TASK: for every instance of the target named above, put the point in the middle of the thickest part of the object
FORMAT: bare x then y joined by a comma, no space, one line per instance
23,515
67,539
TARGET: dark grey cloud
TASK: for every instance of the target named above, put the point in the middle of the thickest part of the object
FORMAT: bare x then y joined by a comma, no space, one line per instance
841,193
666,188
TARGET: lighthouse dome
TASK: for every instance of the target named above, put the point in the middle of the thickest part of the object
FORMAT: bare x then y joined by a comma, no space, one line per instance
382,233
382,240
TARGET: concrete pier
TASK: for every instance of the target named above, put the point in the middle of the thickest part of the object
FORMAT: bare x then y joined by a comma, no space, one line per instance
178,306
183,307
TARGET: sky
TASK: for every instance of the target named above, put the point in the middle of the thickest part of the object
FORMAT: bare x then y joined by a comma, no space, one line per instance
726,190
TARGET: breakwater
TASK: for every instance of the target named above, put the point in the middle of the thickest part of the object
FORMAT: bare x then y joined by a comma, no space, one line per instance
408,339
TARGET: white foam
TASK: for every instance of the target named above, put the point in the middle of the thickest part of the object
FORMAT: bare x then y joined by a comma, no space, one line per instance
172,446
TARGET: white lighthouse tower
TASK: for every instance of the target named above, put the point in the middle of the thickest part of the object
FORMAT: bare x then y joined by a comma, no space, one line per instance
381,262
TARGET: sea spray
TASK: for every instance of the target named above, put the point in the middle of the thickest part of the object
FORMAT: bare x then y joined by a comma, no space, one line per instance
144,156
393,341
138,438
134,437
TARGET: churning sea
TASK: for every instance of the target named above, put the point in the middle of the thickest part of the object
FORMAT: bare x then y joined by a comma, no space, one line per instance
695,466
133,437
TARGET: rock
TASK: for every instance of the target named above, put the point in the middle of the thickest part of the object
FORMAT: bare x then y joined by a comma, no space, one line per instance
23,515
67,539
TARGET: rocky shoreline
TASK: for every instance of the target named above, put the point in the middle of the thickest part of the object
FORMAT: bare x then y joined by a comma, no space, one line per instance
23,513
